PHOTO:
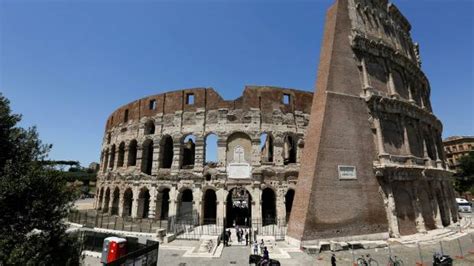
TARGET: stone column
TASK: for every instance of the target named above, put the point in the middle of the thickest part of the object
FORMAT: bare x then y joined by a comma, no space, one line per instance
156,157
111,201
280,206
391,85
420,221
390,208
177,156
173,202
121,202
380,142
406,141
222,151
256,206
255,156
199,153
138,164
135,202
221,211
125,156
159,203
365,75
152,205
197,203
278,150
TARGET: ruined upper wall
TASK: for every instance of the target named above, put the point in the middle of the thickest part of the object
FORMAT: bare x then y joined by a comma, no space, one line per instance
264,98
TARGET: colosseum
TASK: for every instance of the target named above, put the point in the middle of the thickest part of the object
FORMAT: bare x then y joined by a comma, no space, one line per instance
363,157
190,152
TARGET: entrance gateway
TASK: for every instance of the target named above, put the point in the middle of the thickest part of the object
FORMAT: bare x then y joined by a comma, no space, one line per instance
239,209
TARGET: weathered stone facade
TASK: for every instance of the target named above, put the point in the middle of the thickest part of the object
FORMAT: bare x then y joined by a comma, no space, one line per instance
373,160
151,168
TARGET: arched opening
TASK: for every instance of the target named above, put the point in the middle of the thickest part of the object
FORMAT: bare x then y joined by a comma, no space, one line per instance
240,142
106,160
238,207
143,203
266,148
149,127
210,208
112,157
164,196
127,203
166,150
211,150
115,201
405,212
268,207
106,200
132,153
185,206
189,152
290,195
101,198
289,149
208,177
147,157
121,154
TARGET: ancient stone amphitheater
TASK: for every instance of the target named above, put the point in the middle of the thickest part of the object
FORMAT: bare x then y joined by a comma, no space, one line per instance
153,162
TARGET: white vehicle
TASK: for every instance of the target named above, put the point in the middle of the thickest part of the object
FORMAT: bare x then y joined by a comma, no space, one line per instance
463,205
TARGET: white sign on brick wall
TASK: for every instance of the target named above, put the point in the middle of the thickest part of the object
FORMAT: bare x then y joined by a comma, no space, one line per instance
347,172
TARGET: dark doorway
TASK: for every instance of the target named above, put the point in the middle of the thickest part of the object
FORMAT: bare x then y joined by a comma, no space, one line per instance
166,152
115,201
147,157
290,195
185,208
143,203
165,203
210,208
127,203
268,207
239,210
106,200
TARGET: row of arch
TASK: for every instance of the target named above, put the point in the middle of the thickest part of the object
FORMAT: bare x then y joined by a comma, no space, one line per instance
125,155
115,201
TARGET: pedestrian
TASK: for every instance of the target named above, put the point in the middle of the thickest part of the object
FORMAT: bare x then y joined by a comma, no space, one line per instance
262,245
266,256
229,233
226,239
238,235
255,248
246,237
333,260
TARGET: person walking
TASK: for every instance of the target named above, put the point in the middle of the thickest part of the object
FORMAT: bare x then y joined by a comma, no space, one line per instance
333,260
262,246
246,237
255,248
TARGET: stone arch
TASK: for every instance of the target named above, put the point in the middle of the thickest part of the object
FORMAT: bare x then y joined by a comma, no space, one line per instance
290,148
106,160
166,151
143,203
115,201
101,198
238,207
289,197
185,204
127,202
235,140
132,153
147,156
210,153
121,154
268,206
112,157
405,212
163,202
149,127
377,73
188,146
399,83
266,147
209,206
106,200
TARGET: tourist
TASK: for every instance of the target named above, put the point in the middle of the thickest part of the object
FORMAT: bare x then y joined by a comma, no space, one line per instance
262,246
246,237
333,260
255,248
266,256
241,235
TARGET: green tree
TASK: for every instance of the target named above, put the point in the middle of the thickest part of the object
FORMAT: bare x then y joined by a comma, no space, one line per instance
465,177
34,200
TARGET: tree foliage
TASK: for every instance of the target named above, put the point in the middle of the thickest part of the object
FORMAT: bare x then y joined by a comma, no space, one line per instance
465,177
34,200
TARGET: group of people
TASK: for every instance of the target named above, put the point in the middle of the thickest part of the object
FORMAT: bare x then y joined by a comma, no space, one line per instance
241,235
262,248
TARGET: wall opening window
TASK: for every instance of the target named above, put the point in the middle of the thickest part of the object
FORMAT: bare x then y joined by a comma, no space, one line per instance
266,148
289,150
149,127
286,98
211,149
125,116
152,105
189,150
190,98
166,151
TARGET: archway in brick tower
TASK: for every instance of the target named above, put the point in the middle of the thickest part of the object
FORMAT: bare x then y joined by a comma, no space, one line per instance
268,206
209,207
239,208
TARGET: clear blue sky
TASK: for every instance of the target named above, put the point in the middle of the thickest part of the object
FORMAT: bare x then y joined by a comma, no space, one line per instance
66,65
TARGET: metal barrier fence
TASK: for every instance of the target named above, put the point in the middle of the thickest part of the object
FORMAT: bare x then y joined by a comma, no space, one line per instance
192,227
106,221
270,227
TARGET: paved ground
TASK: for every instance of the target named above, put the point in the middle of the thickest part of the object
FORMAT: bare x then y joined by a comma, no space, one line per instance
84,204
